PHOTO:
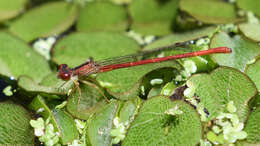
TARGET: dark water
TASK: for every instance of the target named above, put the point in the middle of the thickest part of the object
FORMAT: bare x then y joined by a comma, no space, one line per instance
2,86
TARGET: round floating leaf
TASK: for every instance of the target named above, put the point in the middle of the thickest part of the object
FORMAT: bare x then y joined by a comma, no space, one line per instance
61,120
66,126
17,58
210,11
253,126
59,88
125,83
243,51
100,125
10,9
46,20
249,5
245,143
153,17
128,110
253,71
92,98
76,48
14,125
181,37
102,16
251,31
153,126
222,85
155,91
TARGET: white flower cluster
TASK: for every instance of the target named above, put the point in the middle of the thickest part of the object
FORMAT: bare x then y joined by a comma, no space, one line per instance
118,133
45,131
228,129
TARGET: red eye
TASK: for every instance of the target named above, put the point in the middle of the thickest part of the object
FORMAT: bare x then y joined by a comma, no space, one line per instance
65,76
64,72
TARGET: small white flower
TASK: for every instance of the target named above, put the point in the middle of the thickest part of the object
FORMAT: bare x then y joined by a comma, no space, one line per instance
142,90
190,91
39,132
116,122
231,107
216,129
80,124
149,39
40,110
190,66
174,111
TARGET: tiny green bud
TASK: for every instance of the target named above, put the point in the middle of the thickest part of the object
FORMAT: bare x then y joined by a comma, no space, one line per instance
62,105
231,107
216,129
156,82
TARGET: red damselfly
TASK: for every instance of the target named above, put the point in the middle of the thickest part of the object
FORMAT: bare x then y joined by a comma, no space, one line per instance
91,67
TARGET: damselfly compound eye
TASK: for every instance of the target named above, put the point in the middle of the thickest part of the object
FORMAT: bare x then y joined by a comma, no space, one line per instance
64,72
65,76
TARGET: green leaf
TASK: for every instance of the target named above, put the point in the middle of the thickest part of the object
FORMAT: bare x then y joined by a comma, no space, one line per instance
129,109
46,20
252,127
224,84
59,88
153,127
10,9
125,83
245,143
17,58
155,91
211,136
210,11
100,125
92,98
39,105
251,31
61,120
152,17
66,126
243,51
253,71
15,128
249,5
76,48
102,16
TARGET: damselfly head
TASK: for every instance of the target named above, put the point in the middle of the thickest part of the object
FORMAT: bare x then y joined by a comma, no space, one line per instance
64,72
